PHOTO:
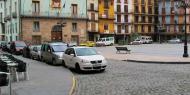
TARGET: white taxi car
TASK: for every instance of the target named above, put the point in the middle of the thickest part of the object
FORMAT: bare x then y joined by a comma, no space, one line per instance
84,59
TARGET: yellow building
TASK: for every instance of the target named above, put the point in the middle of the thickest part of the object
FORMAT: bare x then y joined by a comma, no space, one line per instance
106,17
144,15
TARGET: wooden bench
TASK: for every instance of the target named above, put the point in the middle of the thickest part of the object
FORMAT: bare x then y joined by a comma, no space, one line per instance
122,49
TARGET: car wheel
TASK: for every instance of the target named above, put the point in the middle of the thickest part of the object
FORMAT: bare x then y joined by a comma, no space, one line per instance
39,58
53,61
42,59
63,63
77,67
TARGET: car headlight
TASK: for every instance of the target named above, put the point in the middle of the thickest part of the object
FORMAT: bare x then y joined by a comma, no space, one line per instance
85,61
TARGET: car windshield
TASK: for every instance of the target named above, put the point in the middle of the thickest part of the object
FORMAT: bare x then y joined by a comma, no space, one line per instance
85,51
20,44
59,48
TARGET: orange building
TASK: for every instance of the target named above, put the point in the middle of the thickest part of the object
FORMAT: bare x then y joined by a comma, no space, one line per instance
106,18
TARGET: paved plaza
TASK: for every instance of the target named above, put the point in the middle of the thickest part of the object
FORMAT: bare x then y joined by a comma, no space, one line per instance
120,78
163,53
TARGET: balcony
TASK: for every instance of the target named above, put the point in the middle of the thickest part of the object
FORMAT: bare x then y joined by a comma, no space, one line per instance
103,16
14,14
53,15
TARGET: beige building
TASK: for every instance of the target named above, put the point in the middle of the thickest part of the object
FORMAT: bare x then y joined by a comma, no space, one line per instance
50,29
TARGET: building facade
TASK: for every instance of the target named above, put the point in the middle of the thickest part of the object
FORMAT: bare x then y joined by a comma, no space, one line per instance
143,18
2,23
134,16
106,18
171,20
93,18
123,19
47,20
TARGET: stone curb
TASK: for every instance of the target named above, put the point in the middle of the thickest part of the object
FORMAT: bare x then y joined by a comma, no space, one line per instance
155,62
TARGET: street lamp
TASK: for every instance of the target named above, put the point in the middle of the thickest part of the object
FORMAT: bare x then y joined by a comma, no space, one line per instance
159,31
184,4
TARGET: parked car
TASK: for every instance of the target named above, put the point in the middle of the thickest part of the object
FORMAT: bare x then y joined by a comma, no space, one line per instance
26,51
146,39
136,42
88,44
52,52
72,44
174,40
106,41
16,47
35,52
84,59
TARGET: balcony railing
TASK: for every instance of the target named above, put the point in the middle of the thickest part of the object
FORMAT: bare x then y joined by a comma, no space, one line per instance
103,16
54,15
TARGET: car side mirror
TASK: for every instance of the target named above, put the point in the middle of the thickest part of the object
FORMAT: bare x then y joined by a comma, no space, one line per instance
72,55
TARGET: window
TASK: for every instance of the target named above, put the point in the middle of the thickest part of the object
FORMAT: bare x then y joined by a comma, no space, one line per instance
118,1
106,4
150,19
92,16
143,19
125,1
16,27
126,8
118,18
17,38
12,28
106,13
126,18
118,8
1,17
36,26
15,7
1,5
149,28
143,9
136,19
119,29
74,9
91,6
105,26
142,1
74,27
35,6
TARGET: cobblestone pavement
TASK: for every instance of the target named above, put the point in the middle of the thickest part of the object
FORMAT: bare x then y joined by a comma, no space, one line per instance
124,78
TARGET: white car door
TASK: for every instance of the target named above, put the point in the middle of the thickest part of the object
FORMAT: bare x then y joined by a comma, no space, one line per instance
71,58
68,57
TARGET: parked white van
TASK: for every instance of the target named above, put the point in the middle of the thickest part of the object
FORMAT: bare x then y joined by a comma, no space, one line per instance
105,41
146,39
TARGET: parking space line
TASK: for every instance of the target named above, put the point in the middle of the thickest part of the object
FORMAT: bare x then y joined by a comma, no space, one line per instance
73,86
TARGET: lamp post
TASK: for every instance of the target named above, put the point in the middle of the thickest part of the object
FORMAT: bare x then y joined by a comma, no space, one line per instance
184,4
159,30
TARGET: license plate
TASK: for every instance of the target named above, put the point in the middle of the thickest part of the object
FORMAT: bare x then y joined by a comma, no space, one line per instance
97,65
